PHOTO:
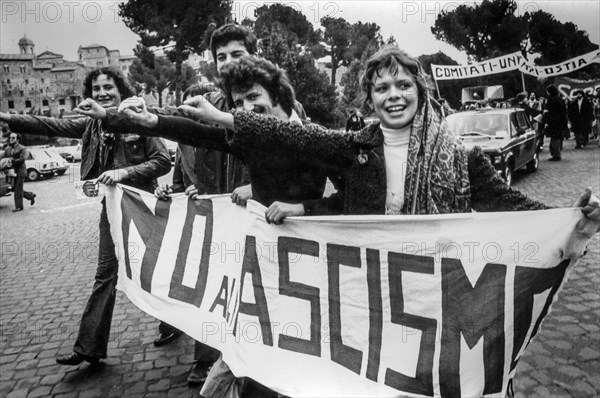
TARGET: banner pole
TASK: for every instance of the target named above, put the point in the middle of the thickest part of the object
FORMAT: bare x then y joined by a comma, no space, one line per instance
437,88
523,82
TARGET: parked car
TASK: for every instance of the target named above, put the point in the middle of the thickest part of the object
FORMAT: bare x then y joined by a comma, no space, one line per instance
44,162
70,153
505,135
5,187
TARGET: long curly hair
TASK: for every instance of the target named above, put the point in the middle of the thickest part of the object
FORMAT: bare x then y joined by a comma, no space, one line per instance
123,85
250,70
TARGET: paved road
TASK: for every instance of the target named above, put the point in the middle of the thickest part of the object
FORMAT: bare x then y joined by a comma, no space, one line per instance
47,265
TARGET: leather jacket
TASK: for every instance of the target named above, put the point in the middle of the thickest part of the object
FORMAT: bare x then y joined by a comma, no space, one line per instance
145,158
18,154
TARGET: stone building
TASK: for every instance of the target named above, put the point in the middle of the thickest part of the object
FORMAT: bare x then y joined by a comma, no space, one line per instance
97,56
46,83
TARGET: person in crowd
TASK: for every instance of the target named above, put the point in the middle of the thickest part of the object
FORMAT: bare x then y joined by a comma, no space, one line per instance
581,115
446,109
555,122
110,156
524,103
533,102
596,130
200,170
355,122
411,163
258,86
14,158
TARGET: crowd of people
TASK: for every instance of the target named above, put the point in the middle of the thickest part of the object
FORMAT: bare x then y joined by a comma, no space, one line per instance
409,163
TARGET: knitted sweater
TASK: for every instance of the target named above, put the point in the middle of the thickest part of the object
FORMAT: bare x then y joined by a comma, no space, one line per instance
441,177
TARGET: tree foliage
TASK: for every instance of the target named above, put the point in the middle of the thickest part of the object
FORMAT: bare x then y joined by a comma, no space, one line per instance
482,31
159,73
285,38
179,27
347,42
451,89
492,29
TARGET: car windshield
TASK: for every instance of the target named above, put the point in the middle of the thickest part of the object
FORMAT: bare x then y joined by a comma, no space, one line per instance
478,124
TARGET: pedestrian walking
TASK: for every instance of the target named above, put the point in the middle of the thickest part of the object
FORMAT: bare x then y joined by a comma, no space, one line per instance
355,122
14,158
581,115
555,122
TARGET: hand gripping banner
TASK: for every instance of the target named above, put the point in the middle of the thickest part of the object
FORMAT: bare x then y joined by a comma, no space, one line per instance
378,306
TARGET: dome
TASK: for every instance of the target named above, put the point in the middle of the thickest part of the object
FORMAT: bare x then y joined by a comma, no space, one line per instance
25,41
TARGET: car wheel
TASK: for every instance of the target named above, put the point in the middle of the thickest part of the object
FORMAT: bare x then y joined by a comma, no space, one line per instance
534,163
61,172
33,175
508,175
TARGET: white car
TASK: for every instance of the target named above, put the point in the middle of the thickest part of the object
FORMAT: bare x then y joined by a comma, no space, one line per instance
70,153
44,162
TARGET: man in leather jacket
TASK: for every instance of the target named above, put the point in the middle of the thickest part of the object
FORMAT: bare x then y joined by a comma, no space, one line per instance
111,156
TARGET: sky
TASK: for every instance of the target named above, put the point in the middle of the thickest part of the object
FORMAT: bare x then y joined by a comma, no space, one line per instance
62,26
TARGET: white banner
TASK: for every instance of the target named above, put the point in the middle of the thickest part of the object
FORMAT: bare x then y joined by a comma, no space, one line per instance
377,306
510,62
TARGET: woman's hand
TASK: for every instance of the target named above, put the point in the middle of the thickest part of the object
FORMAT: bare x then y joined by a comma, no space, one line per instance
89,107
590,204
162,191
134,108
279,210
240,195
200,108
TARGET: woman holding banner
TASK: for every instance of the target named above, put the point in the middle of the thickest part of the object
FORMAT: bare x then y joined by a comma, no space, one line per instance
411,163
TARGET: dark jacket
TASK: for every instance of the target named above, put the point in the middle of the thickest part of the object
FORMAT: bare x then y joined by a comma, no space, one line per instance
18,154
215,172
274,175
183,169
581,118
144,158
446,180
555,117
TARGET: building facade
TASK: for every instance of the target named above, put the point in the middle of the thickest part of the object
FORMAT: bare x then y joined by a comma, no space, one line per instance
46,84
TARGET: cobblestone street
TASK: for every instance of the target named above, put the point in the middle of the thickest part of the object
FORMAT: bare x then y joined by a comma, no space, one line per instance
48,260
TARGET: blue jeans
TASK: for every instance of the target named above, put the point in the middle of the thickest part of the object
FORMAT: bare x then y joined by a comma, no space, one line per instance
94,329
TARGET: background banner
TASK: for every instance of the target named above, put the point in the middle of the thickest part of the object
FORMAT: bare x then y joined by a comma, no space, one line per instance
510,62
347,305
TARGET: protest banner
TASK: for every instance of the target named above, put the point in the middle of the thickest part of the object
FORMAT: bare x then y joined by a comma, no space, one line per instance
567,86
377,306
511,62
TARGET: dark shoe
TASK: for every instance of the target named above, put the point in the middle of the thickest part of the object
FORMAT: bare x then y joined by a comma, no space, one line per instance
198,373
75,359
32,200
15,210
578,147
554,159
165,339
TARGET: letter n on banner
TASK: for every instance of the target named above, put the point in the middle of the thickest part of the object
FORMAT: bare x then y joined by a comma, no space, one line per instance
151,228
179,291
528,283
